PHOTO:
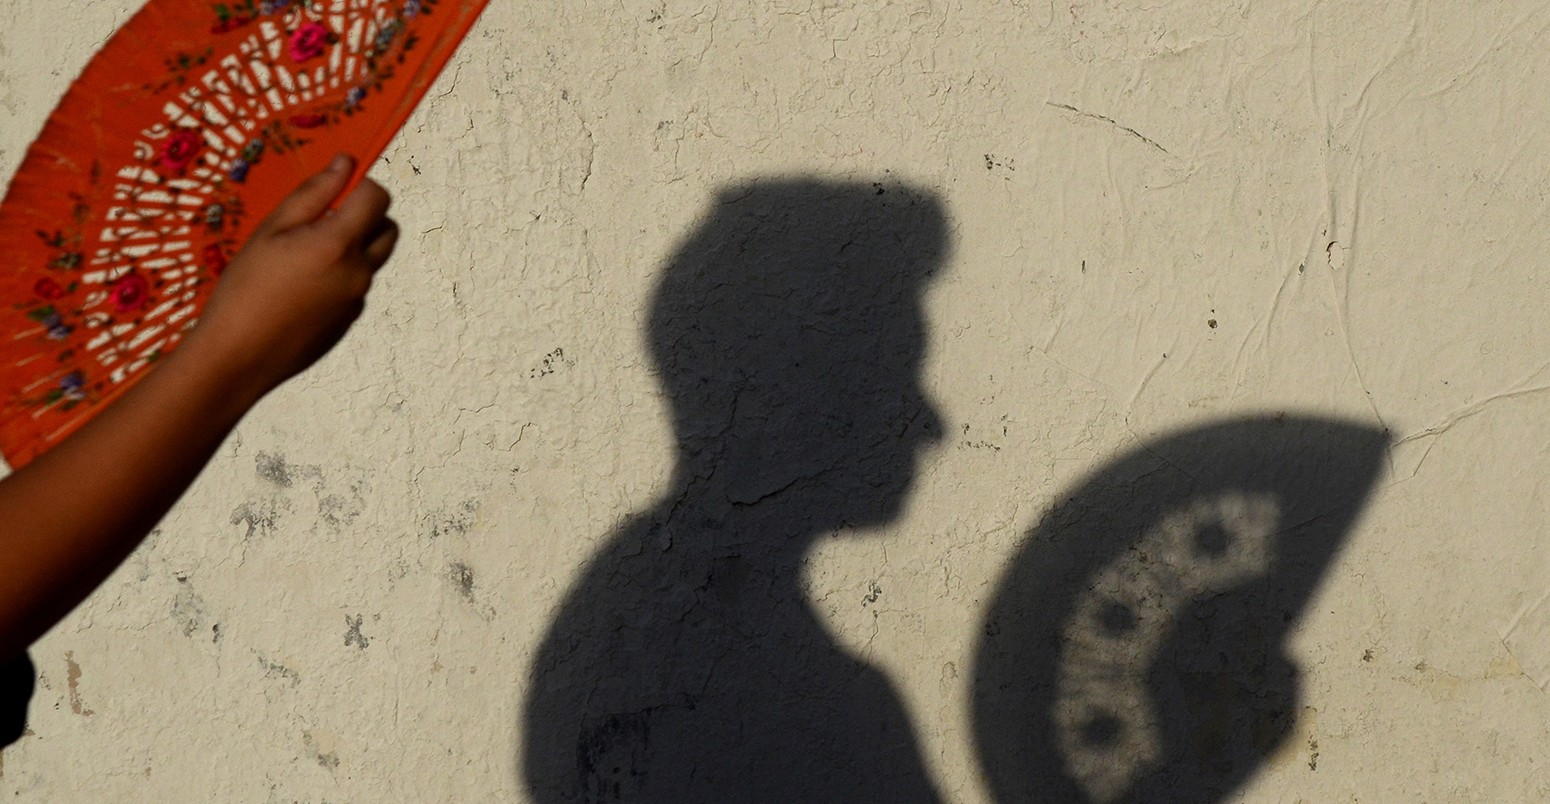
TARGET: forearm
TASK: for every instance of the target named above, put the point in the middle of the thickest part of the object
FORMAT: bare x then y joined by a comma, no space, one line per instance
70,517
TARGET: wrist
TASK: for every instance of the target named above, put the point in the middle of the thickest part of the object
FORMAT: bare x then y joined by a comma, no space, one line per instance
218,371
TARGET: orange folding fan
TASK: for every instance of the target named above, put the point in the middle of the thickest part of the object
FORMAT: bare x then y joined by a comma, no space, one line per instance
192,122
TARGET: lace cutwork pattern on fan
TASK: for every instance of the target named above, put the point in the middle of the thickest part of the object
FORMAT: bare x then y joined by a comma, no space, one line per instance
1103,711
156,225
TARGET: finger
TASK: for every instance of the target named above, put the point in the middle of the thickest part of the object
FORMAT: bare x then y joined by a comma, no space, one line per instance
312,198
359,213
381,245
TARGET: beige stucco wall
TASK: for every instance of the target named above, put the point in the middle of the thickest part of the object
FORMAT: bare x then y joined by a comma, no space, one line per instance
347,605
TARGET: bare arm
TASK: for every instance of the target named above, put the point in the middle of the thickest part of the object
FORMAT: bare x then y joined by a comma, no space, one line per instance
71,517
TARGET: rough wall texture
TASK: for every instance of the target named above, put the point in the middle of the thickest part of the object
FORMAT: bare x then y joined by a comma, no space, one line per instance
1139,219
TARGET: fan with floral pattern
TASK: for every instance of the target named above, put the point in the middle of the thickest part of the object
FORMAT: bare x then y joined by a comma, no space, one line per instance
191,123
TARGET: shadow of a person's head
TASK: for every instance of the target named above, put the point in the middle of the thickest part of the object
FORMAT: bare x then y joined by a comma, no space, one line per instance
687,662
788,332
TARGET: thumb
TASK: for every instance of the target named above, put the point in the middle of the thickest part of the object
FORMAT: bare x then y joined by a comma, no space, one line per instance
310,200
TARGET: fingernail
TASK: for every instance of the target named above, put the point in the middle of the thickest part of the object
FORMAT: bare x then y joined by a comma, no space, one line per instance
340,164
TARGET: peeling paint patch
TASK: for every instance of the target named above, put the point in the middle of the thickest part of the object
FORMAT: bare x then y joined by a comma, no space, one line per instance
73,681
354,636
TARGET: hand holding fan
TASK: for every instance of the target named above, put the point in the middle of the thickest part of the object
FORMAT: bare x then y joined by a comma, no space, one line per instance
189,125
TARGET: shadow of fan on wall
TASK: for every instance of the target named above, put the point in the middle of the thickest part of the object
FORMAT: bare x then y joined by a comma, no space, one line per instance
687,664
1136,647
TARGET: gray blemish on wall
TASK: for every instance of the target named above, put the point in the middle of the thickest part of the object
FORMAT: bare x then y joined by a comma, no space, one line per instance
980,443
552,362
190,614
1001,166
340,511
354,635
459,521
337,511
278,671
463,577
325,759
261,517
274,469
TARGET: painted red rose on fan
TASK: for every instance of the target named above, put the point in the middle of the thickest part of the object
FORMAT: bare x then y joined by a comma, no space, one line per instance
215,258
229,24
180,150
308,120
310,41
129,293
49,289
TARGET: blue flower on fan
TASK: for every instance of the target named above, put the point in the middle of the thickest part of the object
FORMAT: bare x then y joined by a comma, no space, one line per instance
387,34
73,386
411,9
47,315
354,97
58,330
239,170
273,6
253,151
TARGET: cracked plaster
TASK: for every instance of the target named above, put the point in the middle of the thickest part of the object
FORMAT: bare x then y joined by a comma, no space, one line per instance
1352,194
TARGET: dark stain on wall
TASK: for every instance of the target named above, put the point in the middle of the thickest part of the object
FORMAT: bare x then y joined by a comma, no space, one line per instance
463,578
274,469
353,635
